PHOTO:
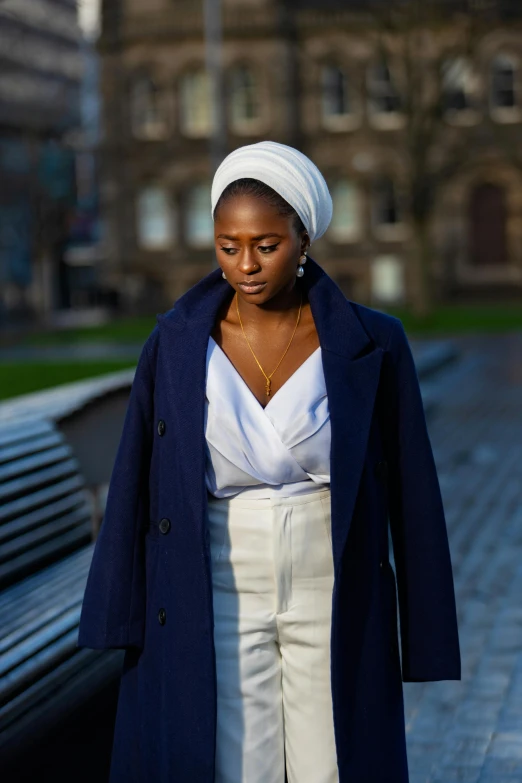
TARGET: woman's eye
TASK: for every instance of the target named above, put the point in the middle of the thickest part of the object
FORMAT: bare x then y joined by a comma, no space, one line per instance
228,249
267,247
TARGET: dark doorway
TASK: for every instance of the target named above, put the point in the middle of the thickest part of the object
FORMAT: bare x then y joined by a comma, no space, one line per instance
488,241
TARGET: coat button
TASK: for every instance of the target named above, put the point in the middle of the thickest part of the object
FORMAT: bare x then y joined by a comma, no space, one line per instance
380,564
161,428
381,470
164,525
162,616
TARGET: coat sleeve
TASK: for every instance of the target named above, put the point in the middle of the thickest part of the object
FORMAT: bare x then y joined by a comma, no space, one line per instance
427,608
113,609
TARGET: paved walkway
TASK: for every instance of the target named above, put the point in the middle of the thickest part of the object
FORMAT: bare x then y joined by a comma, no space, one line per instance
471,731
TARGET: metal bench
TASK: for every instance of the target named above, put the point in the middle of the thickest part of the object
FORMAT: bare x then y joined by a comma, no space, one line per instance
44,514
45,552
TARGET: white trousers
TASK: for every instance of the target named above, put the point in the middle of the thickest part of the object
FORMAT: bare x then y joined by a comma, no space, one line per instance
272,573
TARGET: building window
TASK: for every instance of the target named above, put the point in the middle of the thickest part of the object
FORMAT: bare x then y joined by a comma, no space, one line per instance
149,110
155,219
504,99
387,280
387,217
460,91
196,104
244,105
346,219
383,96
336,101
199,223
338,108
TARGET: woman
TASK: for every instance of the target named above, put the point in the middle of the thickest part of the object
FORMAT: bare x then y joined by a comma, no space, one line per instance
274,429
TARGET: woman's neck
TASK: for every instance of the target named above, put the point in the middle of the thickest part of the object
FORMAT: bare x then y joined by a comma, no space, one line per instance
271,314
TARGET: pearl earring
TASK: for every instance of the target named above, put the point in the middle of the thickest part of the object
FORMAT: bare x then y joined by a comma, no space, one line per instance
223,275
300,270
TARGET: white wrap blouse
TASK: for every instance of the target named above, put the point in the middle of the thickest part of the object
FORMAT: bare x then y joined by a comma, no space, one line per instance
281,449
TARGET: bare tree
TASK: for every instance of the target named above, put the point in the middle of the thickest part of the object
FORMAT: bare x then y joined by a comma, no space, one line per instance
428,45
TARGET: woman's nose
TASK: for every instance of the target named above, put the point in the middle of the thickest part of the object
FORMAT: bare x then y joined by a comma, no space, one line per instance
247,263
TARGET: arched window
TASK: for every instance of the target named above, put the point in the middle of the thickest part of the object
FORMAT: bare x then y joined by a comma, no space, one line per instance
346,219
460,87
149,115
336,100
383,95
199,223
196,104
244,101
155,228
503,93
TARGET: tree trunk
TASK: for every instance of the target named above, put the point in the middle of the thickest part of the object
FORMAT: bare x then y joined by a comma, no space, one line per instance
421,270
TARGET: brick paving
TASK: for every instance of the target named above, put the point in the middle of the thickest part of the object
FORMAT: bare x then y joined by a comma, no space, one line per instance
471,730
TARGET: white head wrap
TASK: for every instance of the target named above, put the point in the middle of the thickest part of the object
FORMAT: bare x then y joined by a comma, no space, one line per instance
288,172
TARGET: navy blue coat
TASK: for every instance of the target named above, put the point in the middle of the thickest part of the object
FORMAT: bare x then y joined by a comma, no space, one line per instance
382,471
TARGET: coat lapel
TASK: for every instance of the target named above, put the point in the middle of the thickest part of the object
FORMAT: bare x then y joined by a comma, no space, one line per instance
351,364
184,333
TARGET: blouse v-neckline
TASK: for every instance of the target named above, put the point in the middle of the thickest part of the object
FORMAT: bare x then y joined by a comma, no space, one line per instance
281,388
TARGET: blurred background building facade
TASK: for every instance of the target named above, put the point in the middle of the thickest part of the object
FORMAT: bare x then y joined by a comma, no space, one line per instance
40,80
335,83
413,112
50,228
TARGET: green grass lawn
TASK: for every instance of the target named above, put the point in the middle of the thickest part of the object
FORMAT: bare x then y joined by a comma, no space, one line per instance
124,330
24,377
459,319
449,319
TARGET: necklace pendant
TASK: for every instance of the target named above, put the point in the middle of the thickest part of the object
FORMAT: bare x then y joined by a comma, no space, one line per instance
267,387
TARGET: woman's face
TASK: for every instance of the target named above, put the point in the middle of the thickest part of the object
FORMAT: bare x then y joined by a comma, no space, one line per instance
258,249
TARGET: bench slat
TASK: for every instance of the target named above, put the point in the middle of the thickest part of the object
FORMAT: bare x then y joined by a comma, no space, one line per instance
31,669
34,446
27,465
45,702
31,539
40,516
31,617
40,478
25,650
50,575
42,555
32,501
22,430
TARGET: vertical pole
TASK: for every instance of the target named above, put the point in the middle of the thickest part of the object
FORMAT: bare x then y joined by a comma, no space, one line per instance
214,65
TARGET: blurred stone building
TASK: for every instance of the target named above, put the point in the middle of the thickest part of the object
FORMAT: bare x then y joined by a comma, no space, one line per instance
40,75
331,82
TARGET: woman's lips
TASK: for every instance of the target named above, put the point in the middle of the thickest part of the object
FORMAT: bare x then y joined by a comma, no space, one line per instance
249,288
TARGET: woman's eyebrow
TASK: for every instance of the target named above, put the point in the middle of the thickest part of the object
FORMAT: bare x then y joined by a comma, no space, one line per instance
254,239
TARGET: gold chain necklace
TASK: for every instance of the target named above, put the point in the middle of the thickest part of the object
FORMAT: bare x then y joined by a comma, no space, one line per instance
269,377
